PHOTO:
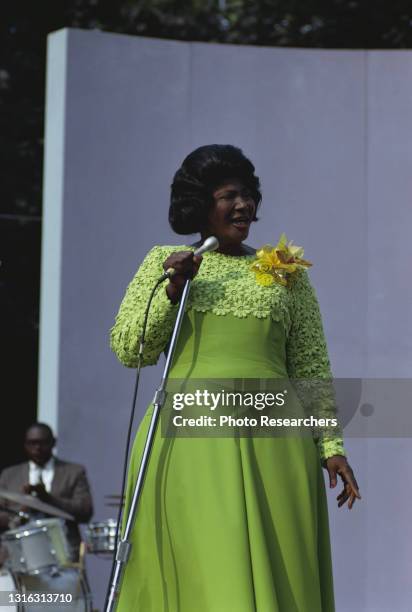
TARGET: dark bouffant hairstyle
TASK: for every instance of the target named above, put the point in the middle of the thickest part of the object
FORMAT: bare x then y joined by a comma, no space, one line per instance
201,173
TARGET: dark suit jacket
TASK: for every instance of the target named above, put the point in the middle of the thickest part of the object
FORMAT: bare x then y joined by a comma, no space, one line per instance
70,491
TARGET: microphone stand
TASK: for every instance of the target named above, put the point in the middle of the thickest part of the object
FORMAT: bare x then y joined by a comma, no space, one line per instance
125,546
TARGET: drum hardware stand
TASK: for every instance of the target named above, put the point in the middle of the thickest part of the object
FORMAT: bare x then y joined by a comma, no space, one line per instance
125,546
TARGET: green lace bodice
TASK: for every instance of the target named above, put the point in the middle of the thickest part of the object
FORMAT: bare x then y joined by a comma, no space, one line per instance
226,285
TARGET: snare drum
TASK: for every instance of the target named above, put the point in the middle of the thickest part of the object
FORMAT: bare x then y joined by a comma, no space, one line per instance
36,546
101,537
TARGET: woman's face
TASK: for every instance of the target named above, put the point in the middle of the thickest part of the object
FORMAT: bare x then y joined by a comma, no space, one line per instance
232,213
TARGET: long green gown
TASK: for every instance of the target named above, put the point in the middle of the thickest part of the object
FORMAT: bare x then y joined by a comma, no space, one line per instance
228,524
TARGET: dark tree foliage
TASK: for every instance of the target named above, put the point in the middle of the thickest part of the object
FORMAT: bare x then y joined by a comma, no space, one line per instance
24,25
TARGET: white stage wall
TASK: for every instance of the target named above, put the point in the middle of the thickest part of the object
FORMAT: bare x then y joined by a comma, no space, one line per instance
330,135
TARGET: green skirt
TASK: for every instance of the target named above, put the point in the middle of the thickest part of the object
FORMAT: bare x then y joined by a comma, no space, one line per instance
228,524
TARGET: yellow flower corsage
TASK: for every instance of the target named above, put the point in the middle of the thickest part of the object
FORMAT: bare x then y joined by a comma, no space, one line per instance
276,264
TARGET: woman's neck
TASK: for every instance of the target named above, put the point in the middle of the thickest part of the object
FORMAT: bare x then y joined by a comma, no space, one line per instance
238,249
230,249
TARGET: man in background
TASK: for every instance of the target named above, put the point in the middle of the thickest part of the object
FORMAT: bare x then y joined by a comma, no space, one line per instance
59,483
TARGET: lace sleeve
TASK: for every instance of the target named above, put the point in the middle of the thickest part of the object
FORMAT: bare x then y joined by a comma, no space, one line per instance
125,334
308,362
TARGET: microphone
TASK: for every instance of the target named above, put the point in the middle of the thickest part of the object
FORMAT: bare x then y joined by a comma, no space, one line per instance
210,244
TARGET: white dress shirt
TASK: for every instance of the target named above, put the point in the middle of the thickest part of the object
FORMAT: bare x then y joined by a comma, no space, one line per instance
45,474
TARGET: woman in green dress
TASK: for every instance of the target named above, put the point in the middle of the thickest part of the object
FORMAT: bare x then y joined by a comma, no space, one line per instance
229,524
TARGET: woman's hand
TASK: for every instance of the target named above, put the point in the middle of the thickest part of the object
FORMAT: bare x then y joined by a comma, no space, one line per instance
186,265
338,464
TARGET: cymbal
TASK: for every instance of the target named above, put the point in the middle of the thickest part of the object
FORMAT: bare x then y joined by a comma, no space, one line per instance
7,509
35,504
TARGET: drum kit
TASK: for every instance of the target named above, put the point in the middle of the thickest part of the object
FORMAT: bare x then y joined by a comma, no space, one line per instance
38,562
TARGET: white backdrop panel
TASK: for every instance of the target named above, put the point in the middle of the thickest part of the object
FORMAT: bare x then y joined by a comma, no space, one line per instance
328,132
